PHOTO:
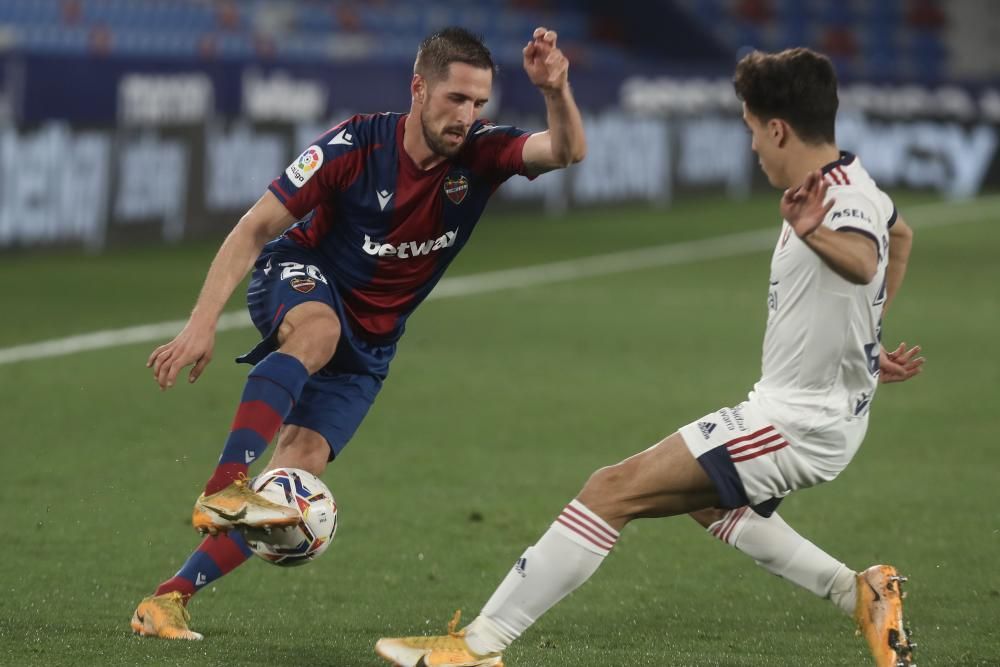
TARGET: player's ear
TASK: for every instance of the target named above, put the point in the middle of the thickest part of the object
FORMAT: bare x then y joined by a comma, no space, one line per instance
418,88
778,130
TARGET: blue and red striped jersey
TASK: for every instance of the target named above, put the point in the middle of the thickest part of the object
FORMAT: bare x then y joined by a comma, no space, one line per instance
383,230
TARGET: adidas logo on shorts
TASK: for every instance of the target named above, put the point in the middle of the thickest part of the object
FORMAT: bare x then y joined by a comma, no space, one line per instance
706,428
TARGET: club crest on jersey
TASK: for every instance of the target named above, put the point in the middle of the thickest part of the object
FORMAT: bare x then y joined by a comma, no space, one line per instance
304,166
304,285
456,189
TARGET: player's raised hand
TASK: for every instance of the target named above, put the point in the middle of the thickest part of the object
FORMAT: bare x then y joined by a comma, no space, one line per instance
193,345
545,64
803,207
899,365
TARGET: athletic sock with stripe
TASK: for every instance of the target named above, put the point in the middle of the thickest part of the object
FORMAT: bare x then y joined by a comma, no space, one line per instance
562,560
777,548
215,557
271,390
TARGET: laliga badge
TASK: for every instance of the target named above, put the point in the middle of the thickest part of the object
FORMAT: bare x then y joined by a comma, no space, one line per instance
304,166
456,188
304,285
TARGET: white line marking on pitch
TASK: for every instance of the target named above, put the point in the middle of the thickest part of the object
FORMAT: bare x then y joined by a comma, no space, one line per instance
685,252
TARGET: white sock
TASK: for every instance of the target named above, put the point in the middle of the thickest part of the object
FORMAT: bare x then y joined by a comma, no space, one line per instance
560,562
780,550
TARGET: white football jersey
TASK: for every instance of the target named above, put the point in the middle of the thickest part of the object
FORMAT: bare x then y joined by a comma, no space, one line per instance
821,347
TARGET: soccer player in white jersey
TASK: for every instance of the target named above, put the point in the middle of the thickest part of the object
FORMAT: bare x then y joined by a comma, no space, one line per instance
840,258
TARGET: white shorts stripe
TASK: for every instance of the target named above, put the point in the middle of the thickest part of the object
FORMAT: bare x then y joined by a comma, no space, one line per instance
760,452
748,449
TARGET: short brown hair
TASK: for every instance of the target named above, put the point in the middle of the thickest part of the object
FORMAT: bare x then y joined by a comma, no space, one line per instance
451,45
799,86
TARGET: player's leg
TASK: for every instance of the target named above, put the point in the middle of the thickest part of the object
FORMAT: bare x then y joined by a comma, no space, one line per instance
730,458
302,448
163,614
329,411
780,550
307,339
873,597
664,480
756,451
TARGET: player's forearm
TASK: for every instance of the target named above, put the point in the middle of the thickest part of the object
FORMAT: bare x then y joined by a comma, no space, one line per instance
900,243
569,142
851,255
230,265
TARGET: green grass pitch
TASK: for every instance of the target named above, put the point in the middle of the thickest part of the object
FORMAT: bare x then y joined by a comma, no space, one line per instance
497,408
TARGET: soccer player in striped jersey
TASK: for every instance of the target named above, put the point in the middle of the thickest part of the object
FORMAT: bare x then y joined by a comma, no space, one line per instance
839,260
367,219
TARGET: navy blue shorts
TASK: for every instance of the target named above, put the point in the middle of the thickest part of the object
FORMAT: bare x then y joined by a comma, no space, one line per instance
335,399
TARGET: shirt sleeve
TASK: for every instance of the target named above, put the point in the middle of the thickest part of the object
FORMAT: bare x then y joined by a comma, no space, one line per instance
322,170
856,214
498,150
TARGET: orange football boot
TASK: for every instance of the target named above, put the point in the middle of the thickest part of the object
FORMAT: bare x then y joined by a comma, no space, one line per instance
163,616
238,505
441,651
879,614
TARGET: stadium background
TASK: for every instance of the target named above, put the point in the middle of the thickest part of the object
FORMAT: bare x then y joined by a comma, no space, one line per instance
597,309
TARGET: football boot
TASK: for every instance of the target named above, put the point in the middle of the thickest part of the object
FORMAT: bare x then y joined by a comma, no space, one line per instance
163,616
435,651
239,506
879,615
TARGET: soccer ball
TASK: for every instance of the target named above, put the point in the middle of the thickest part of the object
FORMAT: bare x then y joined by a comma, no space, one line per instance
306,492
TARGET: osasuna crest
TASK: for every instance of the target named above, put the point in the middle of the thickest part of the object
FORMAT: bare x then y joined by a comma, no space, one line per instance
456,188
304,285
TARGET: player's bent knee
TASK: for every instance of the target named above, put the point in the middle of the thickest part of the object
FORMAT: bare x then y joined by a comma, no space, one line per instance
708,516
310,332
605,489
605,481
302,448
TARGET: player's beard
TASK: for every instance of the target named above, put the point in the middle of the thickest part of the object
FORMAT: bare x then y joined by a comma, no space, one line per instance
437,143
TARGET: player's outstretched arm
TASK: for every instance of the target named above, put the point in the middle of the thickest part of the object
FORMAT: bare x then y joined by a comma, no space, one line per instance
853,256
194,344
564,143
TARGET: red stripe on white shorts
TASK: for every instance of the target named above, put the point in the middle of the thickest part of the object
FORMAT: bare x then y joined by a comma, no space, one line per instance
760,452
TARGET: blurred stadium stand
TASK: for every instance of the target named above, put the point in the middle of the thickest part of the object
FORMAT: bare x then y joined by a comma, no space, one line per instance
916,40
880,39
386,29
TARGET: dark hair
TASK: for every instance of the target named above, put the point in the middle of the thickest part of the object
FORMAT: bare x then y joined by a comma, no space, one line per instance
799,86
451,45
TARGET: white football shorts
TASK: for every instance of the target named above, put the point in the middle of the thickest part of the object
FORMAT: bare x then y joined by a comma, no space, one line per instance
759,451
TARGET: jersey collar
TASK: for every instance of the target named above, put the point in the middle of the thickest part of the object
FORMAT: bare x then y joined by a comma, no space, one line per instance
845,159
